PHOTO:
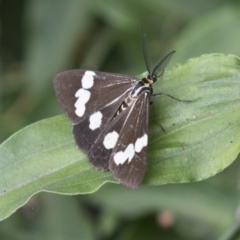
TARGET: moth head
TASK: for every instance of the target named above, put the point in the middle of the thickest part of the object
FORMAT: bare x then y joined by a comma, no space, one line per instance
152,78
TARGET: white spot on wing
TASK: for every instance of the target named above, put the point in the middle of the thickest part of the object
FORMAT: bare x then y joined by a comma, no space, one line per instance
121,157
110,140
95,120
87,80
83,97
141,143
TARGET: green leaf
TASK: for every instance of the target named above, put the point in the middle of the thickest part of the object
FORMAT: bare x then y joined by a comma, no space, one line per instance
199,205
201,138
49,217
211,33
43,157
54,35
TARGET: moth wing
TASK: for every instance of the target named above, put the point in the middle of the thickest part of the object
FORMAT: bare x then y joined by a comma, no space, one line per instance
129,127
129,157
106,92
88,131
81,93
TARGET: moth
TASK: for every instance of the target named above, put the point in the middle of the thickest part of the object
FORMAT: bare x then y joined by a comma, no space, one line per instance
109,113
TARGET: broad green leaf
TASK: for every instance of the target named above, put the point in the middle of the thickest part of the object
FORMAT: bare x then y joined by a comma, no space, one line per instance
201,138
43,157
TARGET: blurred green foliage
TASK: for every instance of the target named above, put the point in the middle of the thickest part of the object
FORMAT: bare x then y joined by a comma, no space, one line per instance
40,38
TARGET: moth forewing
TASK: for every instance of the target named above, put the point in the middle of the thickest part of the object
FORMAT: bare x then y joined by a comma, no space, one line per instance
100,151
81,92
129,157
87,132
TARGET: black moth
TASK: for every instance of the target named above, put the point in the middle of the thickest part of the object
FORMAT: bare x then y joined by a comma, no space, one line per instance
109,113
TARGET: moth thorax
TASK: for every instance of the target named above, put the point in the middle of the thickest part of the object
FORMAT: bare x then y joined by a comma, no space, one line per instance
150,79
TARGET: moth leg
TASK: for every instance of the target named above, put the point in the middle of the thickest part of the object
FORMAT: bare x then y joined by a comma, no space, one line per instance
168,95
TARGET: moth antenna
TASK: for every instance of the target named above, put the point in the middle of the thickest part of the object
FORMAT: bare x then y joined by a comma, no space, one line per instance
146,52
162,64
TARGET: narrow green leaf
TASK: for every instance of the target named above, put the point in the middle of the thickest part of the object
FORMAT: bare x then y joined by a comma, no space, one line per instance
210,33
201,138
52,217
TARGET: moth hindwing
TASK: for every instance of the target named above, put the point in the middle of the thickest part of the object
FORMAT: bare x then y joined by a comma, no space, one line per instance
109,113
